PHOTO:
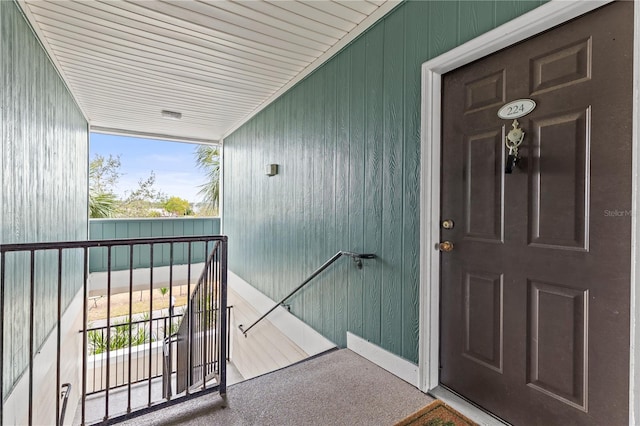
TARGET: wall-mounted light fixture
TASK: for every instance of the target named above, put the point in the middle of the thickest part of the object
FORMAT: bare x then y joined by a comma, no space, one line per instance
272,169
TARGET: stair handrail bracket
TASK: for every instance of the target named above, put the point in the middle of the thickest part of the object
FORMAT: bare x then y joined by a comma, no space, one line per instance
357,259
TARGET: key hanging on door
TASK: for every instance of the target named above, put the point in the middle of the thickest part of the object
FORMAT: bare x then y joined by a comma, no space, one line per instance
513,141
512,161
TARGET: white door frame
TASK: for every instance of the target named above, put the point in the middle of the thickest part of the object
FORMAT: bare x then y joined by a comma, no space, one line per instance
538,20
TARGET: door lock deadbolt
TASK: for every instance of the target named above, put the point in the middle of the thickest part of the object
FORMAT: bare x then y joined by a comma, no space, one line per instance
447,224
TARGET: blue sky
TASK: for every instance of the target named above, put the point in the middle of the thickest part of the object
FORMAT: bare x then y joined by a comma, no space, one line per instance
172,162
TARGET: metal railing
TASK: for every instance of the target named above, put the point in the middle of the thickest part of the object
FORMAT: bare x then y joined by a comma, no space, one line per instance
134,345
42,272
201,338
357,259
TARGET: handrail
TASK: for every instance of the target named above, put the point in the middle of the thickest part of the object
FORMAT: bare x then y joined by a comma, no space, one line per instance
357,258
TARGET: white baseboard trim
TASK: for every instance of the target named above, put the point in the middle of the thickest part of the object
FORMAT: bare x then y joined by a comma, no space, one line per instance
394,364
295,329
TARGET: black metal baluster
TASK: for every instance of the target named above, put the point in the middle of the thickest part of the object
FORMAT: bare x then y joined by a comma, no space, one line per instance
59,337
214,320
2,323
215,316
228,354
84,338
204,325
150,322
31,331
189,313
108,354
167,333
223,303
130,325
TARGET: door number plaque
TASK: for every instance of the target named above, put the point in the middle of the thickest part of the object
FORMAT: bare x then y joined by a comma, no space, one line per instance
516,109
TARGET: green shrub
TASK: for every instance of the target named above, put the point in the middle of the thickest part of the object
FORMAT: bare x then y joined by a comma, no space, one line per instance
119,337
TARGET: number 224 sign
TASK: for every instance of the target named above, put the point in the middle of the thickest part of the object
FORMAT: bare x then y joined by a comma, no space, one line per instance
516,109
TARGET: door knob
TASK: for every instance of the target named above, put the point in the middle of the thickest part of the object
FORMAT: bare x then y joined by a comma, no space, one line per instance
446,246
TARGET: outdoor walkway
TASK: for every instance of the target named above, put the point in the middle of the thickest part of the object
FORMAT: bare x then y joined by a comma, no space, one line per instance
337,388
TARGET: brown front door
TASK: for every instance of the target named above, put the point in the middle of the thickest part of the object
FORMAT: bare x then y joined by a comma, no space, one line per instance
535,294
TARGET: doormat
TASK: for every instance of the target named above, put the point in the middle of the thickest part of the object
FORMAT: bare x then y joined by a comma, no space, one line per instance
436,414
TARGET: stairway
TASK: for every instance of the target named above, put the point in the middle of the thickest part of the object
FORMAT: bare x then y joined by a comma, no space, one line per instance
338,387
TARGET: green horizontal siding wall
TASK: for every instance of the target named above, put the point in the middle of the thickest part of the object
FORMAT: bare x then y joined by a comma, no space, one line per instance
347,140
111,229
43,193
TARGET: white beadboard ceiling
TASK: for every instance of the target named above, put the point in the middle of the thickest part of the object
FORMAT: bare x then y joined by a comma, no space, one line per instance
215,62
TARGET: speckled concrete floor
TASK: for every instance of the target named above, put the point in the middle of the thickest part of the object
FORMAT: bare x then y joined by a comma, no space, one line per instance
338,388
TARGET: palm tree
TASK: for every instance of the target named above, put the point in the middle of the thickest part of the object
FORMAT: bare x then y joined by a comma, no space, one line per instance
103,173
208,160
102,204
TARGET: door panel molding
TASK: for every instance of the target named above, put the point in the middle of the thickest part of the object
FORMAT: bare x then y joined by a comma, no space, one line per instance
485,92
568,227
557,366
539,20
483,304
484,188
544,75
